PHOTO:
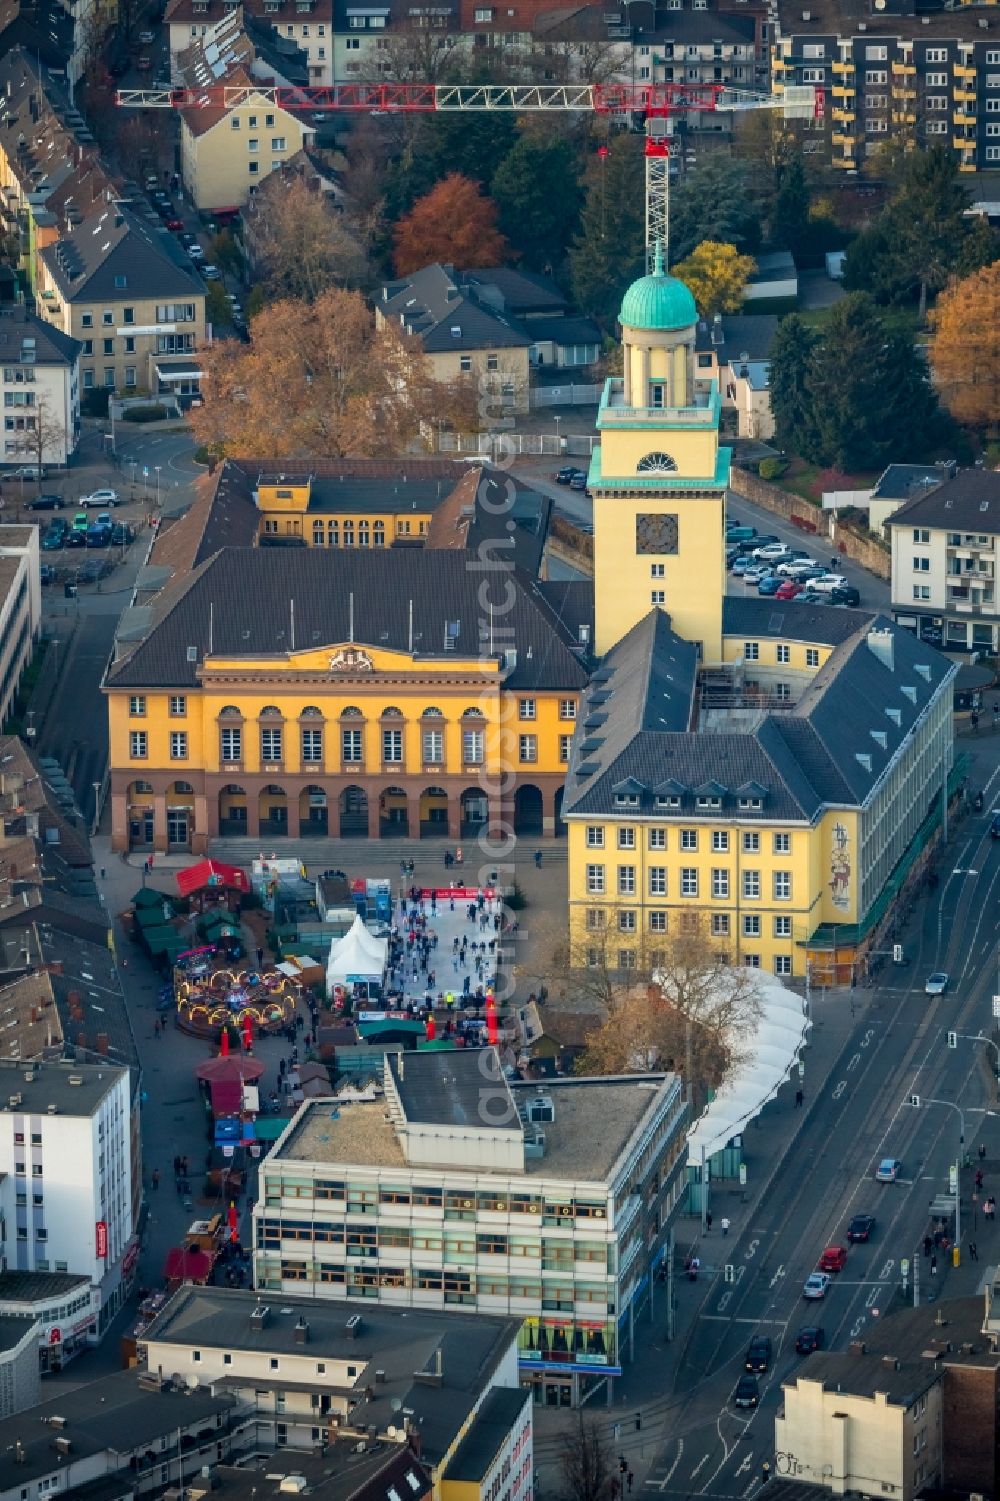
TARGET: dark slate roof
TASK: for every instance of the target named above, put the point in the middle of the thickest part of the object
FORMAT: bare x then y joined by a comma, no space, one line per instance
430,304
493,515
750,334
520,292
572,600
52,346
830,748
908,481
114,257
490,1429
244,595
901,1384
968,503
446,1089
564,330
689,26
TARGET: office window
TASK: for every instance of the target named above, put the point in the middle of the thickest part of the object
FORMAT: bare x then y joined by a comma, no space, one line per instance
751,651
526,708
86,320
657,570
278,143
720,884
782,844
689,880
567,708
812,656
137,745
782,927
565,743
130,380
921,565
658,597
270,744
751,925
473,742
751,961
751,885
626,959
595,837
137,705
720,924
626,920
178,745
595,919
312,745
657,922
921,591
350,745
720,841
657,880
392,746
782,885
595,880
751,844
689,839
433,745
527,748
253,144
254,168
231,745
657,839
784,653
465,363
626,839
626,880
782,964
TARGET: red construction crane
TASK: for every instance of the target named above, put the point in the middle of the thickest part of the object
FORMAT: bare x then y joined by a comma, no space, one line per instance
658,103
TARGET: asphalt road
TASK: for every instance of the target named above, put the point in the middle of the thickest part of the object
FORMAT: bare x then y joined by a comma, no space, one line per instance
708,1448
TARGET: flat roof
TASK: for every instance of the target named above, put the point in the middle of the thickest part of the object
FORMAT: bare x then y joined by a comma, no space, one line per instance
74,1088
39,1287
457,1087
491,1427
594,1121
338,1474
398,1342
863,1376
13,1330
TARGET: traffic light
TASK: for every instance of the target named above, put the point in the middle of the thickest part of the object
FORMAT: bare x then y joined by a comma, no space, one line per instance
897,953
638,1421
915,1101
953,1039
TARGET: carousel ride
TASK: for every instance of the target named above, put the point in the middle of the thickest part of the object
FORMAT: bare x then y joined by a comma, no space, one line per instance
210,1001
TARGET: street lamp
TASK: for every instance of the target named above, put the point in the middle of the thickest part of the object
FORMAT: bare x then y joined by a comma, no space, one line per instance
157,468
97,807
557,419
30,730
917,1100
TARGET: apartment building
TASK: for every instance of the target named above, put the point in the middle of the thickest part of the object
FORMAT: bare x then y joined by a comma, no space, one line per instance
945,562
227,153
66,1192
461,1189
306,23
41,390
932,78
315,1372
124,290
20,608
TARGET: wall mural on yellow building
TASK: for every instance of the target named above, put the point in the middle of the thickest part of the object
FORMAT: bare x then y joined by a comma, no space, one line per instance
840,868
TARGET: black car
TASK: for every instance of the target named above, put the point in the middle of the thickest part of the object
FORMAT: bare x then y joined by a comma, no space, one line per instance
565,474
845,595
45,503
747,1392
579,481
860,1228
759,1353
122,534
75,539
995,827
810,1338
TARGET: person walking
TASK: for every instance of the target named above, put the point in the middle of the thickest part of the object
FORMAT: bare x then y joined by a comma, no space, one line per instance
973,1251
724,1225
933,1266
708,1221
799,1097
982,1151
629,1481
156,1177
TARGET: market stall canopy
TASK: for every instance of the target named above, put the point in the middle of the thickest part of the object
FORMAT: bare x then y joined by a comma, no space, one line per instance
187,1264
766,1060
356,956
208,873
147,896
233,1070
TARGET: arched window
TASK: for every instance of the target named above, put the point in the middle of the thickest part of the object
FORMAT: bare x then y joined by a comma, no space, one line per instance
379,530
230,709
392,712
311,712
351,712
270,711
473,714
333,534
432,713
183,787
318,534
142,787
656,463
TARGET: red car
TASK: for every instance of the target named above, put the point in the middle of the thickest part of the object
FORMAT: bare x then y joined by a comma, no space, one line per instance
833,1259
787,590
175,224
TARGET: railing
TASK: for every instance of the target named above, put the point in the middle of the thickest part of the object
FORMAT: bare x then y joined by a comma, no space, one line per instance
705,413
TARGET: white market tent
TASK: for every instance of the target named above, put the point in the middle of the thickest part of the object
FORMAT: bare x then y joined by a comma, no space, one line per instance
766,1061
358,955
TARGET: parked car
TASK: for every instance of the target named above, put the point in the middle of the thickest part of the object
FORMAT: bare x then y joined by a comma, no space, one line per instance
81,521
98,498
565,474
995,826
740,566
769,584
147,38
45,503
845,595
937,983
25,472
809,596
579,481
810,1338
47,573
144,64
833,1259
175,224
758,1356
211,273
731,556
816,1285
747,1392
828,582
104,519
741,533
754,574
787,590
888,1170
792,567
54,537
76,538
98,536
122,534
861,1228
772,552
195,252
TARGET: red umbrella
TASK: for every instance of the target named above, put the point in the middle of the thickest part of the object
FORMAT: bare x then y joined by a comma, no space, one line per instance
491,1019
230,1069
224,1049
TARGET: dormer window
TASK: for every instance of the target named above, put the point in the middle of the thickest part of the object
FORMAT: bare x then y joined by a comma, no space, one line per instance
750,804
668,802
708,802
626,800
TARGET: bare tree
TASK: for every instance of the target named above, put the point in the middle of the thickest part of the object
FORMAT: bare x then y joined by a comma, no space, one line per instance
47,441
586,1463
421,53
300,243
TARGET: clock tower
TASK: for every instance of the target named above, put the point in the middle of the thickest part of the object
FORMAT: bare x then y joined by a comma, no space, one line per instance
658,477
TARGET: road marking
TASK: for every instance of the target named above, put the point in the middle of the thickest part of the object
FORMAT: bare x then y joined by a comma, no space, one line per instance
778,1275
661,1485
744,1464
726,1319
700,1465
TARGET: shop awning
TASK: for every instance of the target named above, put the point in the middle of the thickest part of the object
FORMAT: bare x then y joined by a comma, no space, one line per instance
187,1264
208,873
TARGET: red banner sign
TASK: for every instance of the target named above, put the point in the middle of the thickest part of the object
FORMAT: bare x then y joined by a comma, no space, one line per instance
101,1238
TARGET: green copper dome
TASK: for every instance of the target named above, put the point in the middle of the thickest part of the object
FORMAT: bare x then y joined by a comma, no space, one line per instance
658,301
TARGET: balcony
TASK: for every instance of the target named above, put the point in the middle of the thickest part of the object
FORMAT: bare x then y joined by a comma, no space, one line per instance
904,70
704,412
903,117
962,117
848,142
961,71
965,96
845,116
905,94
845,68
844,91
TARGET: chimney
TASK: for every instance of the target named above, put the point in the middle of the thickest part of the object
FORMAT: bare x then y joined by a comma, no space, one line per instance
102,1044
857,1347
302,1332
259,1317
880,644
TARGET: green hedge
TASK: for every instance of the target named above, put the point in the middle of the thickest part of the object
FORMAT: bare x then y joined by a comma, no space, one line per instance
144,414
771,469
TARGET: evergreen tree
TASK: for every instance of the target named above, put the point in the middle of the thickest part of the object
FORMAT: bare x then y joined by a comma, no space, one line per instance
609,249
716,201
790,226
537,191
791,353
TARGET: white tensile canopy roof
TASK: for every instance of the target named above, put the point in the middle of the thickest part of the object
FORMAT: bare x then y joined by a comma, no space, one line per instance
766,1061
357,953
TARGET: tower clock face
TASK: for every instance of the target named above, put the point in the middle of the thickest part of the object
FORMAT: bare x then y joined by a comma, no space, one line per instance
655,534
656,463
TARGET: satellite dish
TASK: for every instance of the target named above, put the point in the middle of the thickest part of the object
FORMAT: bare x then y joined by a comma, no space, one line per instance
396,1404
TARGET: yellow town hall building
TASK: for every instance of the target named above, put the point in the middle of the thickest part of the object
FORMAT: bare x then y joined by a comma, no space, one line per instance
767,770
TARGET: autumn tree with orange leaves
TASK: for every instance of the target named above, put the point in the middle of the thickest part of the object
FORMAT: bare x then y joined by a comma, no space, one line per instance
453,223
965,348
321,379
